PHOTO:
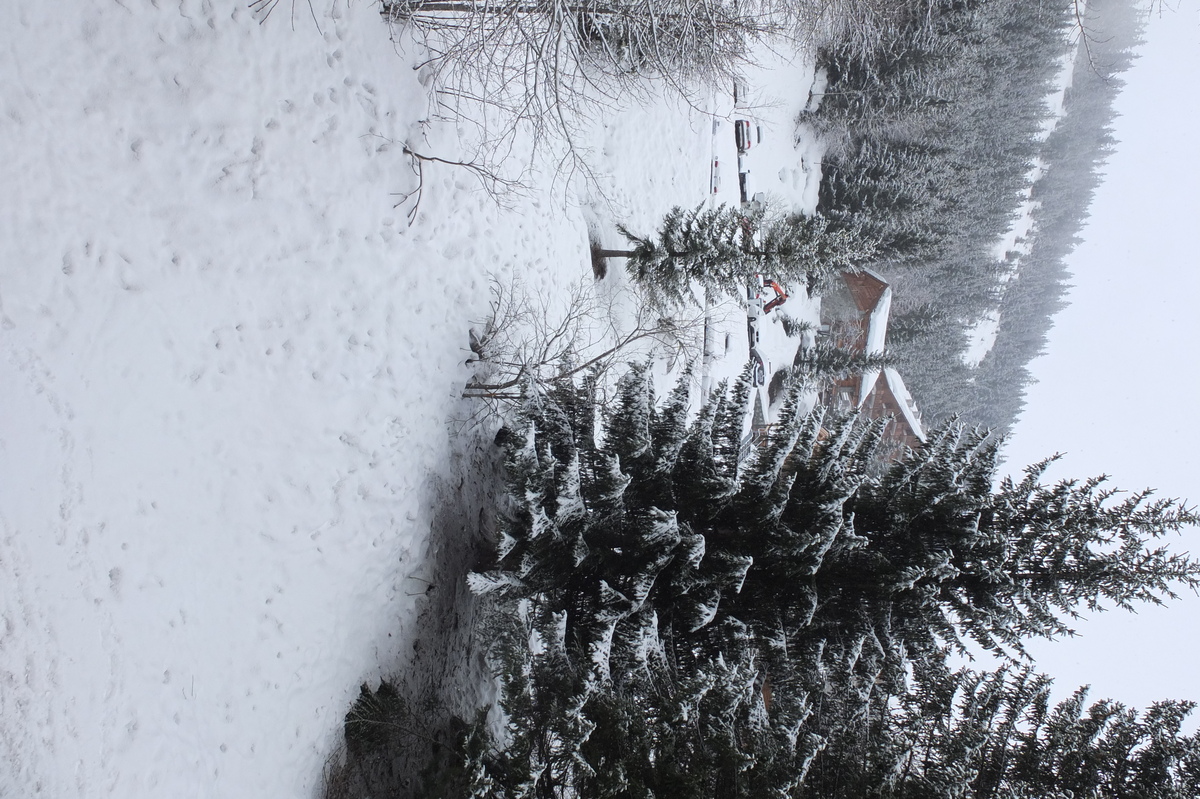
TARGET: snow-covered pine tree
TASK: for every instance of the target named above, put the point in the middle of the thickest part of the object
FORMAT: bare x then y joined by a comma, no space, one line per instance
722,248
810,249
651,563
595,541
985,735
826,361
703,245
955,558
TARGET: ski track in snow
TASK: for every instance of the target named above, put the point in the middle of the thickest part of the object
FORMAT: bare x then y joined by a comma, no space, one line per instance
225,367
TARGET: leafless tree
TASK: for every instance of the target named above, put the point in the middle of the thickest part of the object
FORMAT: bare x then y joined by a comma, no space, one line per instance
496,186
862,24
528,337
559,41
262,10
545,68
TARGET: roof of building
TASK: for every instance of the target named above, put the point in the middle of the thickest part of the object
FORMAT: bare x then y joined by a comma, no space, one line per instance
904,399
869,378
894,383
877,323
873,296
866,286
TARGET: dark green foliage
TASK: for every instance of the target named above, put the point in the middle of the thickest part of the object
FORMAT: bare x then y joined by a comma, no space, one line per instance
392,742
371,721
653,577
826,361
706,245
934,131
793,327
721,249
995,734
1017,562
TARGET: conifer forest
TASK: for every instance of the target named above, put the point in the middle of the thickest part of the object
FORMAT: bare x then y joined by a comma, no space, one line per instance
667,607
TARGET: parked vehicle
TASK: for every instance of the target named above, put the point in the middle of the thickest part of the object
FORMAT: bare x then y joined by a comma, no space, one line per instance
742,135
754,312
745,187
741,93
758,374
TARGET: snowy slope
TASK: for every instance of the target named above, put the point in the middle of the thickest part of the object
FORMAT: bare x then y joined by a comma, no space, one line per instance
1018,240
228,375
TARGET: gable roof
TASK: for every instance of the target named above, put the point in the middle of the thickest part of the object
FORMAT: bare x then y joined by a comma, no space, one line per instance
877,323
893,383
872,296
908,406
866,287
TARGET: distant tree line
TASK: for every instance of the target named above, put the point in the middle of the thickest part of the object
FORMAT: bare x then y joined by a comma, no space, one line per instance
933,136
1074,154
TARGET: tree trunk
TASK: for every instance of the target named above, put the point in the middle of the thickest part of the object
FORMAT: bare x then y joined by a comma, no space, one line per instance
458,7
614,253
401,8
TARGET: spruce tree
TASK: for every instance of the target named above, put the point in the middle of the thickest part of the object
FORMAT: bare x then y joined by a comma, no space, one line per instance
721,249
761,605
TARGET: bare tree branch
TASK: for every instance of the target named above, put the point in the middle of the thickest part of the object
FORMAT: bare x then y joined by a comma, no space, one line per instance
536,73
263,8
524,338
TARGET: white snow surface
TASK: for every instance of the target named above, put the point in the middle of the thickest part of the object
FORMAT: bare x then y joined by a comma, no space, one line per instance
229,371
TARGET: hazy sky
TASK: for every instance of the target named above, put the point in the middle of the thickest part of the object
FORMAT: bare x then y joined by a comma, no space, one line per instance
1117,387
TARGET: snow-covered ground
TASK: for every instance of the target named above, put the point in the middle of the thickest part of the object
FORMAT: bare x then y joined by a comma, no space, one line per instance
229,371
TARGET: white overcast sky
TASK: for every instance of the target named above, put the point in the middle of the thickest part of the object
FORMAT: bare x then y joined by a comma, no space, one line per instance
1117,387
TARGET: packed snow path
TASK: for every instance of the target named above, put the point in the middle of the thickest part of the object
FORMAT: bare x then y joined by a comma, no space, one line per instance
226,368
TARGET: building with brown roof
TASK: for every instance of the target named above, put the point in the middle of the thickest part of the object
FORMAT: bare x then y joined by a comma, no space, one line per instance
856,318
